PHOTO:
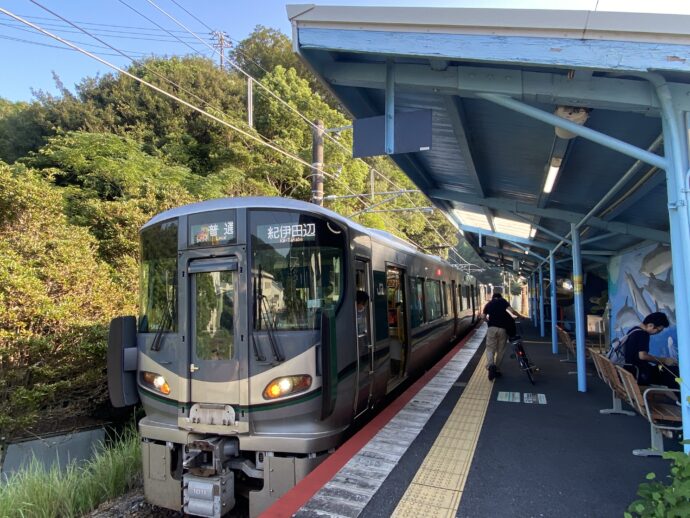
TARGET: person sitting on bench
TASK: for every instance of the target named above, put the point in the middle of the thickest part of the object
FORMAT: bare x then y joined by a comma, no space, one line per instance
645,365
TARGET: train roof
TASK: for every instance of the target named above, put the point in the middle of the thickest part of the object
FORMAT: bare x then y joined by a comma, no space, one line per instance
267,202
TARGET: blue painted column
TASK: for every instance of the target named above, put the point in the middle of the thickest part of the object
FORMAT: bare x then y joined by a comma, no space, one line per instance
541,300
390,108
579,310
533,300
554,309
679,221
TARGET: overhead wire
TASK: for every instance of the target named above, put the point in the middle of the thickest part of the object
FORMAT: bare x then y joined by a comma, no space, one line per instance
31,17
138,35
359,197
41,44
24,29
285,103
247,134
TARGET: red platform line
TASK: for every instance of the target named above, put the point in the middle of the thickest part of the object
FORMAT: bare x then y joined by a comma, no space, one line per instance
299,495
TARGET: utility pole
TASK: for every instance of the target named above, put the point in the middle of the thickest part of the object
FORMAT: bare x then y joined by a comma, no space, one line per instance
250,102
221,43
317,163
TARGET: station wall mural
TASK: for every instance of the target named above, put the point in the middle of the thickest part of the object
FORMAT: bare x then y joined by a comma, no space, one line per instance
641,282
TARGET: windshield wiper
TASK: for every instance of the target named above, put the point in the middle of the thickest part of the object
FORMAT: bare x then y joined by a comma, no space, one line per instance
270,330
166,322
263,310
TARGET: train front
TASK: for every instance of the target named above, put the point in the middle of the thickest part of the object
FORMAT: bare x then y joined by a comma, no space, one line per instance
233,353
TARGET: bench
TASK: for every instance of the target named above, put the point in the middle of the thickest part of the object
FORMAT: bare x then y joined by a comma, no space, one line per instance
606,370
569,344
570,348
660,414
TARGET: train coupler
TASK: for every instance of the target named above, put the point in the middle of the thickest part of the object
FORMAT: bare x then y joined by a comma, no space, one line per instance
210,497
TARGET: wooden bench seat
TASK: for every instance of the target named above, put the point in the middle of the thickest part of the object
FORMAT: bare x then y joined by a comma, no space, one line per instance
609,375
661,412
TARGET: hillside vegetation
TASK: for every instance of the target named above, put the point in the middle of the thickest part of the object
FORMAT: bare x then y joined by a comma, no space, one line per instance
82,171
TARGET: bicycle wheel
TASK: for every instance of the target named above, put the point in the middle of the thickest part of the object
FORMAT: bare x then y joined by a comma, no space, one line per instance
524,363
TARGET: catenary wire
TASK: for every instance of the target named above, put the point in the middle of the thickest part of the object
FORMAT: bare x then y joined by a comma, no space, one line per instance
360,197
59,27
180,24
268,144
21,40
273,94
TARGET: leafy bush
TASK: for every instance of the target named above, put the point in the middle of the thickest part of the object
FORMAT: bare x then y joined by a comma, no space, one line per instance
659,500
56,297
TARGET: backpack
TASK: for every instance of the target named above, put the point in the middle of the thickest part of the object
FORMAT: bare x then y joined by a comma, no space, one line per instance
617,351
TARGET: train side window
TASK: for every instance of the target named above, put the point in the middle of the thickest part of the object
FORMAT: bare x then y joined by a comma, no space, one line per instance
417,302
444,299
459,295
433,300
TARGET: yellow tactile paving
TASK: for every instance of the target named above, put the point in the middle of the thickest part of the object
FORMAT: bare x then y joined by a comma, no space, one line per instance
437,487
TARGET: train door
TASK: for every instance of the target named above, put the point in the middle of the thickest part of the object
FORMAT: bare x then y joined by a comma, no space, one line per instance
397,320
473,302
454,306
365,344
215,366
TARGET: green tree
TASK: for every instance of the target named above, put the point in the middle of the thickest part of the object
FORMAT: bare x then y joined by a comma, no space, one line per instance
56,297
265,49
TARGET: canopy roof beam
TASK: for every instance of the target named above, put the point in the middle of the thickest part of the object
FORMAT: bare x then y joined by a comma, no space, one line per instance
630,95
558,214
507,237
456,114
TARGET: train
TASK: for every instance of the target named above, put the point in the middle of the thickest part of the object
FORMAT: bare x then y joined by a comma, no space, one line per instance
267,328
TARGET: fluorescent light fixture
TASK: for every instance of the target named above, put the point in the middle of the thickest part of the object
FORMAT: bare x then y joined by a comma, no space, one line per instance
554,168
473,219
512,227
532,233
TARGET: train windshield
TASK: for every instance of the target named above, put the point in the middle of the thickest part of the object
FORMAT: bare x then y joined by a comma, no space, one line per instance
297,269
158,279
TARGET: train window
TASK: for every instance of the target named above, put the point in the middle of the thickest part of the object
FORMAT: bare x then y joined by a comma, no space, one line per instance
214,315
158,278
459,294
433,300
417,302
297,268
444,299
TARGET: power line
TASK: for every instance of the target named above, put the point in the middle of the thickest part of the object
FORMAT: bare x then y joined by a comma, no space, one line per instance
24,29
268,144
180,24
105,32
163,28
215,118
91,23
21,40
62,29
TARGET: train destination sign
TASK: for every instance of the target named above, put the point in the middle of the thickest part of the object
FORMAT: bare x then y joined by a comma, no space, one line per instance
212,228
287,233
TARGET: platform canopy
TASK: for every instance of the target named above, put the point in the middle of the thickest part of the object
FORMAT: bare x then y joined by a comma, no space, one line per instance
539,119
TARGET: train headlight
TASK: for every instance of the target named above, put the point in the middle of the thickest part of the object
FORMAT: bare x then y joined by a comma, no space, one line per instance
155,381
287,385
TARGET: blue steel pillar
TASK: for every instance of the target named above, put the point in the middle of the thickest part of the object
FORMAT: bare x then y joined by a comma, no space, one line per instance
675,126
532,314
554,309
541,300
390,109
579,310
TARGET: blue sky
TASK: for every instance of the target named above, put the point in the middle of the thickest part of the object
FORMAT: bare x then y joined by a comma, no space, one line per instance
29,59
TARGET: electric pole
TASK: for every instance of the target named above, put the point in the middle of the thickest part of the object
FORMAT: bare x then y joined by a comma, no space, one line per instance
317,163
221,44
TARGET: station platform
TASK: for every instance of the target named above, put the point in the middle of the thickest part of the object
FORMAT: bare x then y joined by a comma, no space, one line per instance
456,444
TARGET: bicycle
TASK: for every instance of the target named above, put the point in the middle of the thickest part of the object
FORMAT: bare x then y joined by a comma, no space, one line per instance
522,358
